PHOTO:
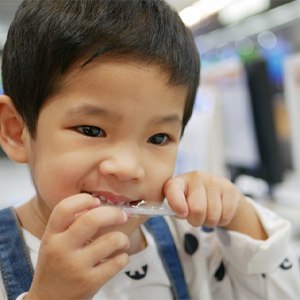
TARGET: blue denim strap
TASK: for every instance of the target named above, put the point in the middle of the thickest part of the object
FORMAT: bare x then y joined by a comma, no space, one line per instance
159,228
15,265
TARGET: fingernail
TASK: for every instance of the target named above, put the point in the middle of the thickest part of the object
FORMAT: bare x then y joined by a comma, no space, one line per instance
97,201
127,246
183,214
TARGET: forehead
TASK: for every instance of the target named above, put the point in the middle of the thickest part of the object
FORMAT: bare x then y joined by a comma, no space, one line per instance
97,73
126,61
117,83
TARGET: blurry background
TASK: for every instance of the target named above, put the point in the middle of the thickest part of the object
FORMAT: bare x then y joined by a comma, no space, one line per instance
246,117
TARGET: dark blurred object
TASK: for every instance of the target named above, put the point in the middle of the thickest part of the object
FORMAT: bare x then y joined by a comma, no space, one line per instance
276,3
2,154
271,168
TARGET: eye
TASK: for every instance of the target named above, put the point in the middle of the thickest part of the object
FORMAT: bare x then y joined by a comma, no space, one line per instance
159,139
91,131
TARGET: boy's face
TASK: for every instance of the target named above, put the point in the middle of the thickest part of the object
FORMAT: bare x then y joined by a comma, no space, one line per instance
111,130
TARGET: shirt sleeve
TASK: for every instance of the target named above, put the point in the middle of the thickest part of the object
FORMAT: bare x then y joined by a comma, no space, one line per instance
267,269
251,256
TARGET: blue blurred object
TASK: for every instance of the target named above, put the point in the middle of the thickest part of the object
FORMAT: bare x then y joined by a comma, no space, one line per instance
1,86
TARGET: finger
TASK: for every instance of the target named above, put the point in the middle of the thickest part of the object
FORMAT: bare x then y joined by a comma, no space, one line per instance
214,205
106,245
230,201
174,191
65,212
88,224
108,269
197,203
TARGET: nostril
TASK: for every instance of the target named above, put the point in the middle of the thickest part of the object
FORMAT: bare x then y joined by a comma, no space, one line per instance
122,168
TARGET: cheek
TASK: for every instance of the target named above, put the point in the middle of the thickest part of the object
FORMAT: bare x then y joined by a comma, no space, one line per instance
160,175
55,179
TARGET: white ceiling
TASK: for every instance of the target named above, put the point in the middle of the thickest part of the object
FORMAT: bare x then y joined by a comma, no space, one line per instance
7,11
180,4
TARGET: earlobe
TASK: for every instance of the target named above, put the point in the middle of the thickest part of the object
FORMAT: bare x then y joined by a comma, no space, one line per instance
12,129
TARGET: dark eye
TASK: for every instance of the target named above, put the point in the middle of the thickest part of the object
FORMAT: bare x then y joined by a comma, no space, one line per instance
91,131
159,139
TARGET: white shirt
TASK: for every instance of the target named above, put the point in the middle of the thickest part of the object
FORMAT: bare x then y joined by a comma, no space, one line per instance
221,264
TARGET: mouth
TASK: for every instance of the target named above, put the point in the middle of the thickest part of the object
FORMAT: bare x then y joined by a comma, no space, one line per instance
114,200
133,207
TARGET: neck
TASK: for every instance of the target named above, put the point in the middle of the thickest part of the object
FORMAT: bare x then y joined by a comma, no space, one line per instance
33,217
137,242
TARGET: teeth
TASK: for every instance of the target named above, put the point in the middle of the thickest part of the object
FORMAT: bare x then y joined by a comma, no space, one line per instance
109,201
104,200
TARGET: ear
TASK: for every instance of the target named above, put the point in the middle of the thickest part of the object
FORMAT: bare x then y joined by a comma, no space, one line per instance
12,131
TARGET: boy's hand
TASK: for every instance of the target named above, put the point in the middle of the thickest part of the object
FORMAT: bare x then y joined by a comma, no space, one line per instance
203,199
212,201
69,265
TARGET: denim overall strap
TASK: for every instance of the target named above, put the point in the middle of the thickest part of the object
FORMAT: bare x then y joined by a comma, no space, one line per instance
15,265
159,228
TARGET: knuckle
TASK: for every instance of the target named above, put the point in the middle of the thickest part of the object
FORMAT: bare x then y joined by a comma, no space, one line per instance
225,220
120,261
197,215
113,215
118,215
223,182
197,211
226,181
61,209
194,222
212,219
118,239
198,174
169,183
229,186
89,220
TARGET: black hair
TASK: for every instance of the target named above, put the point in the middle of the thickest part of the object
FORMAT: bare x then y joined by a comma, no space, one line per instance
47,37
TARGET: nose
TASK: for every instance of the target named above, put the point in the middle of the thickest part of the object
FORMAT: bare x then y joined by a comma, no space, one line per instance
124,163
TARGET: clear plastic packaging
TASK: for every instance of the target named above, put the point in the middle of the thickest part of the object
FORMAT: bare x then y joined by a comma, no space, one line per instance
146,208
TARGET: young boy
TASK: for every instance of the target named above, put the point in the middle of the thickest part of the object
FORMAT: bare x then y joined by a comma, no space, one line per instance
97,96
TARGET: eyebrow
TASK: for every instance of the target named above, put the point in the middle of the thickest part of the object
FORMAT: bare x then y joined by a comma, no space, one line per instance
86,109
173,118
94,110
